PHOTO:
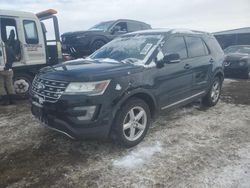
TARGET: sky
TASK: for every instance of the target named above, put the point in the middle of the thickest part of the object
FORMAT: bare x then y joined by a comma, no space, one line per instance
204,15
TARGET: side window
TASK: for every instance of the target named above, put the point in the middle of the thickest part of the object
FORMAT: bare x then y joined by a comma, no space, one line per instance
122,26
175,45
133,26
8,29
9,36
195,47
30,31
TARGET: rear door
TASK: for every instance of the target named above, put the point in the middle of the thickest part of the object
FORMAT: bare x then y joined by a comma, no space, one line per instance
175,79
200,61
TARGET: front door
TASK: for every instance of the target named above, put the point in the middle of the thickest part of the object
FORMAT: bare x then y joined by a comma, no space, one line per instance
33,43
175,80
1,51
118,29
11,38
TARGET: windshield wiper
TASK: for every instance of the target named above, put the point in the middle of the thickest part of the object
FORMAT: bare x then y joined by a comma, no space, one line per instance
130,60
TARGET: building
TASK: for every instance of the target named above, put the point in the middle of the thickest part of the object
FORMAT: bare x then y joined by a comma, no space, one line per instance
239,36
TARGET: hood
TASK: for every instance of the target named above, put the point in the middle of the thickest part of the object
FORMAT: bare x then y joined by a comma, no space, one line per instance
236,56
88,70
77,33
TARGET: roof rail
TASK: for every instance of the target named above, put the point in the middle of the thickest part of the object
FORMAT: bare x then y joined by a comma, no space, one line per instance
188,31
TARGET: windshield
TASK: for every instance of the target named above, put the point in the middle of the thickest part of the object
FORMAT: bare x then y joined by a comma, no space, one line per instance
129,49
238,49
102,26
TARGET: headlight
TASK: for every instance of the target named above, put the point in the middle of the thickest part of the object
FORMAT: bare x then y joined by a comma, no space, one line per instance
88,88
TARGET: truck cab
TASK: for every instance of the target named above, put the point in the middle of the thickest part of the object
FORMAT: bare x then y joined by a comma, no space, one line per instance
33,50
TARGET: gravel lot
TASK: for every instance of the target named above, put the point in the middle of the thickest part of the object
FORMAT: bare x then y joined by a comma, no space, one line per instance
188,147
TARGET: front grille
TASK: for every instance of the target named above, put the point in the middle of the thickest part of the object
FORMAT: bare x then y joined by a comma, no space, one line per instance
48,90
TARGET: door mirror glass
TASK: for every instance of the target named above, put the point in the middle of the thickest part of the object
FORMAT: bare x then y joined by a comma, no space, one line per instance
171,58
168,59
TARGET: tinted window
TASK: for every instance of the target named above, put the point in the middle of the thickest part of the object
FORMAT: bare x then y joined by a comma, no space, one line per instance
176,45
122,26
195,47
30,31
133,26
238,49
102,26
243,39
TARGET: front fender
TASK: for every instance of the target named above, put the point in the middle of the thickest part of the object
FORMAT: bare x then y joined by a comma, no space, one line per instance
134,93
99,37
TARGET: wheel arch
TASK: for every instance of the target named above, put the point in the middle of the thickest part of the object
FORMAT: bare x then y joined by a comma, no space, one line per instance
219,73
142,94
96,38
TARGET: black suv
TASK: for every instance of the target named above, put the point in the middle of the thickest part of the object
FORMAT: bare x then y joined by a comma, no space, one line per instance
120,88
83,43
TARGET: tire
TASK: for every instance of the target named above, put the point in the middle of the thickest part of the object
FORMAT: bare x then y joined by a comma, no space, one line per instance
96,45
126,130
213,95
22,83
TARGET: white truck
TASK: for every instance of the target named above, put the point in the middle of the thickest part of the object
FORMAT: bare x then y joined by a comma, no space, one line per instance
36,51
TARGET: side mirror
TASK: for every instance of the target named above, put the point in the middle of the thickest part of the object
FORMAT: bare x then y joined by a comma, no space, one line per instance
172,58
169,59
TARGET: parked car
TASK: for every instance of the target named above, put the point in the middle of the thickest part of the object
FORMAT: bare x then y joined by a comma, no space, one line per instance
83,43
120,88
237,60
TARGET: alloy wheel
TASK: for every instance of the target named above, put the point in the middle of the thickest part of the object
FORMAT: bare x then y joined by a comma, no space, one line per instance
215,93
134,123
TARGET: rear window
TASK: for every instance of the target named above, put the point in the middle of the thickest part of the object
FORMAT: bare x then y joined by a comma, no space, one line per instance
196,47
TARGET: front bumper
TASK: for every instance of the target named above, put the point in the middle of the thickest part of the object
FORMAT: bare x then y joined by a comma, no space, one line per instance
78,117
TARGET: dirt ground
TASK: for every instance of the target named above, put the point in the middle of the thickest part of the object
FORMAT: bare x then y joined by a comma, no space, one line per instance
188,147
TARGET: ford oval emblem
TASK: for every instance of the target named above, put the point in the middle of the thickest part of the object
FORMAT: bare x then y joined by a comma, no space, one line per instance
40,86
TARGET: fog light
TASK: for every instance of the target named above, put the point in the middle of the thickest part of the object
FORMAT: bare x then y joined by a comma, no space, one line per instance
90,110
242,63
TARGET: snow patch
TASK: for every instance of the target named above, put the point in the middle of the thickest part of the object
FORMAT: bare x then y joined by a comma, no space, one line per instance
228,81
138,157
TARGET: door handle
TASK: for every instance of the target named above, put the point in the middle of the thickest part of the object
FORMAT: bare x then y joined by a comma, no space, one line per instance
211,60
187,66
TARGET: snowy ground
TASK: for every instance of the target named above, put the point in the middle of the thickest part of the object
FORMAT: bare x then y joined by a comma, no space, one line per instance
189,147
